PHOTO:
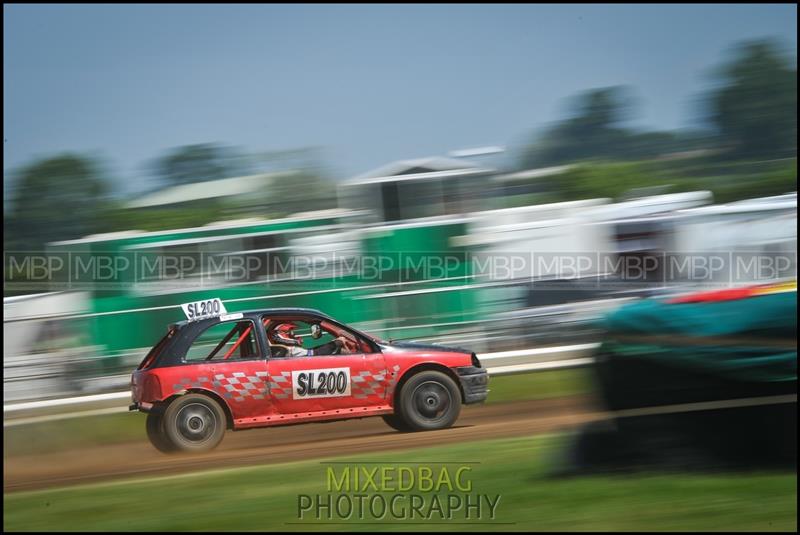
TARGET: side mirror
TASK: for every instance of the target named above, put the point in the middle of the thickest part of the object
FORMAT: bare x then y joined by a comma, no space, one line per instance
316,331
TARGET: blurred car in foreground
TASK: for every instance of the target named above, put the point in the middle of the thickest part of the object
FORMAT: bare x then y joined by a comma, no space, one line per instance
705,380
218,371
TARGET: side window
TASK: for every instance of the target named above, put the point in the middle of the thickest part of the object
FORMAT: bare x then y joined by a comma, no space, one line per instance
296,336
366,347
225,341
281,330
362,345
308,337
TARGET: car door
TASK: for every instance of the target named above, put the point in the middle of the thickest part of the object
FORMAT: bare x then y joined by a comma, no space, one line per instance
327,382
228,358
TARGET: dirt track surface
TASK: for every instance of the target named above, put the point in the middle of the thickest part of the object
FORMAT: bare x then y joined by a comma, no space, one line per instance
291,443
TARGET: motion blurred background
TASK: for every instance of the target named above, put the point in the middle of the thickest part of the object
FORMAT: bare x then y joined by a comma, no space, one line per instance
493,177
489,155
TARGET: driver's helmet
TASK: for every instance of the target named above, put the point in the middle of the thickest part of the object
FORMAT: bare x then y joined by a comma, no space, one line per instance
283,334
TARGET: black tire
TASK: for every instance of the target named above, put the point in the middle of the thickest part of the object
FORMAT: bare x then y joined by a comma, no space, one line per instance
429,400
395,422
194,423
155,432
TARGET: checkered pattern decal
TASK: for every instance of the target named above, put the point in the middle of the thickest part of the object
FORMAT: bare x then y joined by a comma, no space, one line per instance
239,386
392,381
366,383
236,386
280,385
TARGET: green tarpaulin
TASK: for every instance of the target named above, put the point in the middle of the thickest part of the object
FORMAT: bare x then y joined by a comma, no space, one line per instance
749,339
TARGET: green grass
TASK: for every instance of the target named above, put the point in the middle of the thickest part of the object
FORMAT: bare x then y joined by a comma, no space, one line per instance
539,385
73,433
60,435
266,497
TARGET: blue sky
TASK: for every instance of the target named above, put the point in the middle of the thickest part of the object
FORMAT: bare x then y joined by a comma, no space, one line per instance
370,84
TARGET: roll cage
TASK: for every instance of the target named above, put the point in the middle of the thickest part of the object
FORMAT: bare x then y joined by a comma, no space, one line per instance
173,347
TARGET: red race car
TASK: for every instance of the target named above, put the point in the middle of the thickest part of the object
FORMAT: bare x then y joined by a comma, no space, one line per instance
218,371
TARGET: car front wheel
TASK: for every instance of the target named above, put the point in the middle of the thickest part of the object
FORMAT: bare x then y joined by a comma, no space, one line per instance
194,423
429,400
395,422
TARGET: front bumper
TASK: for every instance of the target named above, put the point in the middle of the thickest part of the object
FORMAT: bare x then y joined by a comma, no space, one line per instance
474,383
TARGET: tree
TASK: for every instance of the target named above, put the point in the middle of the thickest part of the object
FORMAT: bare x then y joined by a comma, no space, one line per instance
593,130
601,109
302,191
198,163
57,198
755,109
306,184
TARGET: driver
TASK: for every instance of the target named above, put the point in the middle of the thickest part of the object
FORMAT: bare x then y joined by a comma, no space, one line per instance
284,343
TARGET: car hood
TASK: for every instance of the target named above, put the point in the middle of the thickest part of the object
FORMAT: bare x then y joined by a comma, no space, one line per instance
418,346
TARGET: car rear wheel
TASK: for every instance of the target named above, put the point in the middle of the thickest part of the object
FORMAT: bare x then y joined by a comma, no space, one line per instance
195,423
429,400
155,432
